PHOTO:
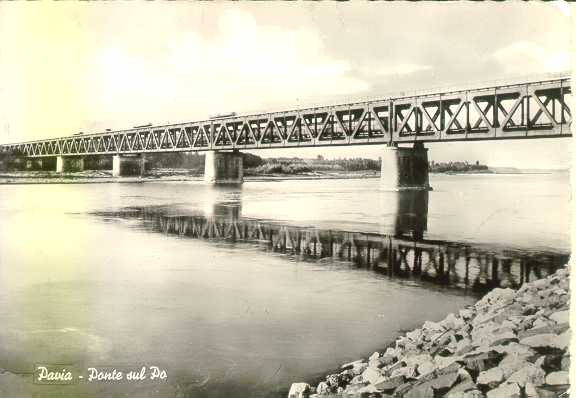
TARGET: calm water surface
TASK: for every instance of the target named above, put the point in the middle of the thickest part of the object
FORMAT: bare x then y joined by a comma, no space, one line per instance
239,292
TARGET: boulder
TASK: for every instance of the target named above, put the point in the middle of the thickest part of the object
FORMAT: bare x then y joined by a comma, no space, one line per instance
387,360
452,322
415,335
432,326
491,377
357,380
546,340
389,384
558,378
359,367
352,390
511,365
444,381
503,337
426,367
482,361
408,372
374,356
323,388
528,374
563,340
370,375
420,391
444,362
505,391
415,360
299,390
530,391
369,389
466,313
465,389
514,349
541,322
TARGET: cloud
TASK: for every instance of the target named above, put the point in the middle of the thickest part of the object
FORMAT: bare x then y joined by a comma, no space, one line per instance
400,69
234,70
528,57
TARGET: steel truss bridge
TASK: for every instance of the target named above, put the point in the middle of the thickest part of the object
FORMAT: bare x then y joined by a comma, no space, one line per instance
456,264
524,110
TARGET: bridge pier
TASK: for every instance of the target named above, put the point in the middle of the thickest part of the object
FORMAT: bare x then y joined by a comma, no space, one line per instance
223,168
69,163
128,165
405,168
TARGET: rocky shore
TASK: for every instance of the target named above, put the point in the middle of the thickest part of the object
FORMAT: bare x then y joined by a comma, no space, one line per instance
509,344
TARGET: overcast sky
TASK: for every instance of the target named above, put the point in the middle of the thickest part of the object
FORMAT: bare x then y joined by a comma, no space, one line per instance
67,67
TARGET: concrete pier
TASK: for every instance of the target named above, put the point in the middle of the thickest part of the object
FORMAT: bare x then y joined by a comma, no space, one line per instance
69,163
405,168
128,165
223,168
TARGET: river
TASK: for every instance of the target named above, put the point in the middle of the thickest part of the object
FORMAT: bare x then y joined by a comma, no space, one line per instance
240,292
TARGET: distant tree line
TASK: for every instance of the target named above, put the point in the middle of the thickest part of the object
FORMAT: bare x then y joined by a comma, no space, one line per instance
253,164
443,167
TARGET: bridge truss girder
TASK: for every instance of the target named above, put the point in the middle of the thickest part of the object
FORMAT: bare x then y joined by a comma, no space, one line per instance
527,110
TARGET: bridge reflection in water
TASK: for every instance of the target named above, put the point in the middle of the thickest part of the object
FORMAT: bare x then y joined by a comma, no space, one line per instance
403,253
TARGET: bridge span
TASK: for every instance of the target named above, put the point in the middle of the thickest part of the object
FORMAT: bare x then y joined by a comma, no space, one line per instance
532,109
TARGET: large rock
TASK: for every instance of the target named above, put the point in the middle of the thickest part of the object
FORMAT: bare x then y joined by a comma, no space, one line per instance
452,322
511,365
502,337
389,384
420,391
530,391
323,388
550,329
299,390
463,346
482,361
444,381
465,394
505,391
466,313
415,335
374,357
558,378
528,374
546,341
563,340
371,375
357,367
408,372
426,367
491,377
415,360
432,326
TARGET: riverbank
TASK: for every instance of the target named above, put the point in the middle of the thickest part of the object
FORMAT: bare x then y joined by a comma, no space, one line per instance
104,176
509,344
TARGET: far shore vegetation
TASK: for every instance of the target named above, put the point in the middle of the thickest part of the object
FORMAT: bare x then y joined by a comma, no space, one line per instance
193,164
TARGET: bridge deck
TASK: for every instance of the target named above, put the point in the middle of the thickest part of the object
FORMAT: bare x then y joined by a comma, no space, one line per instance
525,110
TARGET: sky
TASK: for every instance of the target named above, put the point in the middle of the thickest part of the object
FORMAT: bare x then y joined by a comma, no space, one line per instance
85,66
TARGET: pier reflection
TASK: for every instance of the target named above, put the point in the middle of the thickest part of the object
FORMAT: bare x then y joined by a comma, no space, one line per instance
402,253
